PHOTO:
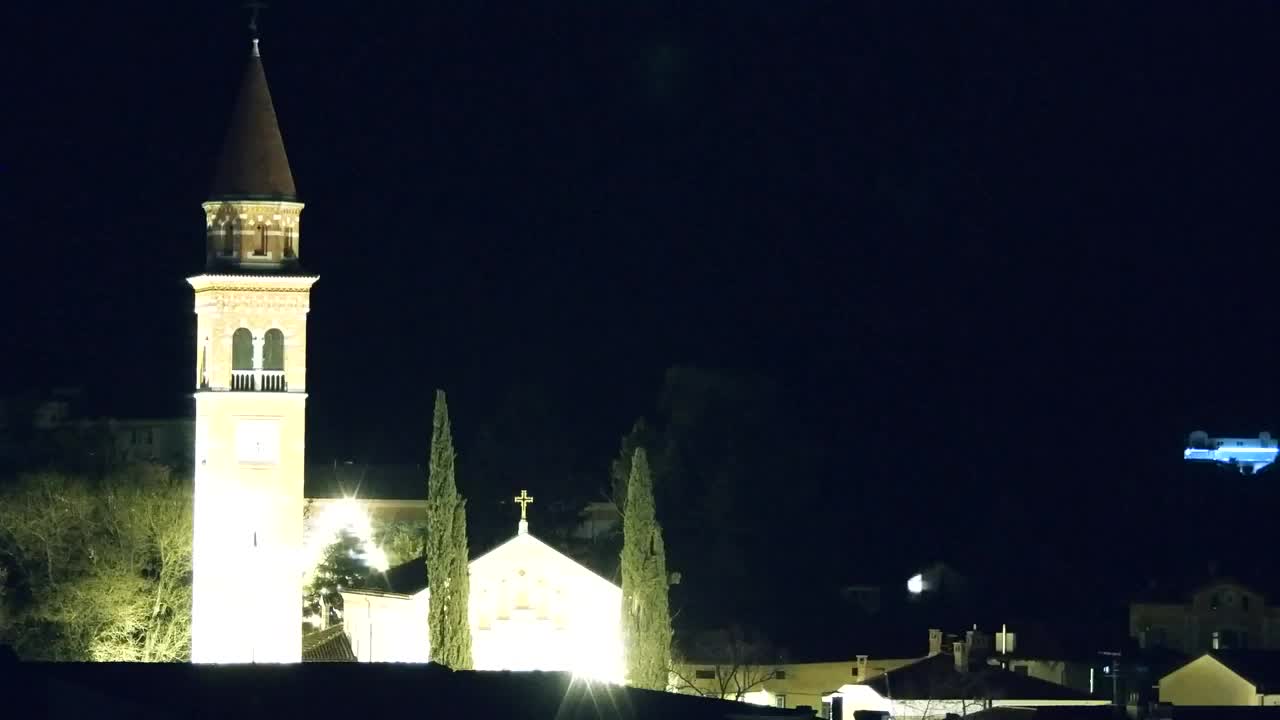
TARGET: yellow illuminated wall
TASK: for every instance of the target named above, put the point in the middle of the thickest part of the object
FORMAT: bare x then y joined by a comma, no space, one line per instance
250,440
1206,681
531,608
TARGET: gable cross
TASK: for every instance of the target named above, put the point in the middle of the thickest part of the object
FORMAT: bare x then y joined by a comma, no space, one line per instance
523,499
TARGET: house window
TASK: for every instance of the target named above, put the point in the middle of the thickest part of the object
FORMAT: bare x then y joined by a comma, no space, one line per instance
704,674
779,674
782,701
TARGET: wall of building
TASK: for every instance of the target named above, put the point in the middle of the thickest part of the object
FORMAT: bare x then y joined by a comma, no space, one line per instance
248,528
1240,616
387,628
1205,681
791,684
532,608
167,441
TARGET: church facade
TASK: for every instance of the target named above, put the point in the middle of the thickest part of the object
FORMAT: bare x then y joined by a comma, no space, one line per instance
531,608
251,307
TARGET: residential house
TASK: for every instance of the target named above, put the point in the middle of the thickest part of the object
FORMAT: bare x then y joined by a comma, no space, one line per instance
946,684
1221,614
1225,677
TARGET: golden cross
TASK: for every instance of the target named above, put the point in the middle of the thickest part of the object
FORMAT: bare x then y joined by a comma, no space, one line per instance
523,499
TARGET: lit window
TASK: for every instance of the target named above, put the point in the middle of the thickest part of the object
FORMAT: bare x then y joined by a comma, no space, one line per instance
782,701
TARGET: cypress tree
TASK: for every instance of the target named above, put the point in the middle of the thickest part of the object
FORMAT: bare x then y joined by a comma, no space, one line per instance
646,617
447,561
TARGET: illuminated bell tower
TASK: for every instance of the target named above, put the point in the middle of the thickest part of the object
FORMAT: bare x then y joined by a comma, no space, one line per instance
251,308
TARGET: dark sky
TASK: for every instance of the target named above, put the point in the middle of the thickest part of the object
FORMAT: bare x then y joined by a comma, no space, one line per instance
1004,256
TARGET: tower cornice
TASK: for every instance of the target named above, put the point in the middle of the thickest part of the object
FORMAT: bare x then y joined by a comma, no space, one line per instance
257,283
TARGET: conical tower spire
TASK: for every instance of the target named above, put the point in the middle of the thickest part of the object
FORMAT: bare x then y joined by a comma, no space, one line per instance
253,164
253,215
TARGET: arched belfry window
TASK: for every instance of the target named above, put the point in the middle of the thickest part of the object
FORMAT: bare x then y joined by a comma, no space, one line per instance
242,350
273,350
288,242
262,241
242,360
228,238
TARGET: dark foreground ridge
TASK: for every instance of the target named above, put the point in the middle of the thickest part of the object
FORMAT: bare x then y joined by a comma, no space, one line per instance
111,690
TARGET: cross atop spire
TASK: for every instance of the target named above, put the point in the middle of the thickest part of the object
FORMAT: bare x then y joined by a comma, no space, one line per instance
524,499
253,6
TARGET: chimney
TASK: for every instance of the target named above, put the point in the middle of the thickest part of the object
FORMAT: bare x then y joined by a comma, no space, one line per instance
1006,642
935,641
961,651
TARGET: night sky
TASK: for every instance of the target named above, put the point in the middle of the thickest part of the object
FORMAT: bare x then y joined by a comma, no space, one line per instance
1003,257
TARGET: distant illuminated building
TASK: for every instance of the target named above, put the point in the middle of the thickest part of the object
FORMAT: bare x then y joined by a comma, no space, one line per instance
1249,454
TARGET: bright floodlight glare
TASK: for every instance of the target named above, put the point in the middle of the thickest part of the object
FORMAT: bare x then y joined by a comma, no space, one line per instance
916,584
345,514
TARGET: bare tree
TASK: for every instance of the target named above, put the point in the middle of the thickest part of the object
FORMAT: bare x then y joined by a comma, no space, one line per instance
106,566
727,664
949,692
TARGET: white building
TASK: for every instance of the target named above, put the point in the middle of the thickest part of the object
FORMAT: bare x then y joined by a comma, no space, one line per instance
1225,677
532,608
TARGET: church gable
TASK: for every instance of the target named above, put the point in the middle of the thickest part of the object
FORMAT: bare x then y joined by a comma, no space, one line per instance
527,578
531,608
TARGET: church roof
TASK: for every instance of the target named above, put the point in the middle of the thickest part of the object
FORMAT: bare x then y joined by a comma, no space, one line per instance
253,164
407,578
328,645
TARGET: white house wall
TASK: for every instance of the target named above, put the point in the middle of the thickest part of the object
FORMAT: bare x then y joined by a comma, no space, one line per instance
1206,681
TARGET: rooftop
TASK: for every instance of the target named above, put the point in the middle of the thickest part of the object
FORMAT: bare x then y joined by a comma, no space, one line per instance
933,677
